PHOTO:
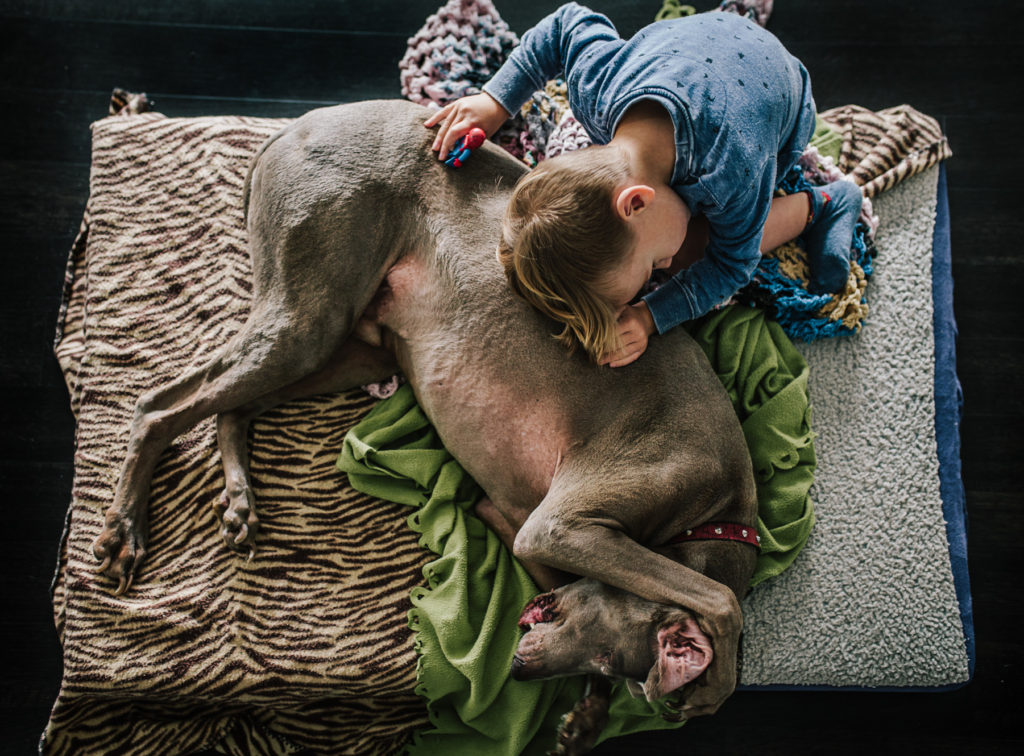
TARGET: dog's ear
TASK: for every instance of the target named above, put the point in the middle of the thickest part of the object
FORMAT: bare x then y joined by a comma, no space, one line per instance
684,652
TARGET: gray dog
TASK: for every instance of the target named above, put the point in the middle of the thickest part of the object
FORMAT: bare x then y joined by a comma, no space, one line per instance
368,255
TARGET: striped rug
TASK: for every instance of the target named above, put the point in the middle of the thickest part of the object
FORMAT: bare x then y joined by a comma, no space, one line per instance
306,644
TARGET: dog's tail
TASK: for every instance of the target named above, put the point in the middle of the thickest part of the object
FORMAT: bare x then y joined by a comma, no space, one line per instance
252,168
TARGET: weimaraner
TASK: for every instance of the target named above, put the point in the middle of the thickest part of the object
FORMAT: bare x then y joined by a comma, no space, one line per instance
370,256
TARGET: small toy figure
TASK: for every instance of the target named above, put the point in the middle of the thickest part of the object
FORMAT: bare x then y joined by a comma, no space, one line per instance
464,147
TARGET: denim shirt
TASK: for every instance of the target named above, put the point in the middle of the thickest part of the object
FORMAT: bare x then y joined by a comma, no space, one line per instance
740,103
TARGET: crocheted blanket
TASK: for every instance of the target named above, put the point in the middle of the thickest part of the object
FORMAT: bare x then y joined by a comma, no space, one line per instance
462,45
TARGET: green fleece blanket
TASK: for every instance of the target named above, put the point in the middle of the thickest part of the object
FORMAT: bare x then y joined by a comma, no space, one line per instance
465,617
766,378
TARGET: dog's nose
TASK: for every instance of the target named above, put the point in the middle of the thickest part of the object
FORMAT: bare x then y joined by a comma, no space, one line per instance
517,665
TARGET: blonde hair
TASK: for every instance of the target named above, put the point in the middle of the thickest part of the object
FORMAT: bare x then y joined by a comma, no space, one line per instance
561,237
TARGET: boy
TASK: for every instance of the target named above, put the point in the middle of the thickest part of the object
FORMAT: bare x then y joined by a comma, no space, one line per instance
698,116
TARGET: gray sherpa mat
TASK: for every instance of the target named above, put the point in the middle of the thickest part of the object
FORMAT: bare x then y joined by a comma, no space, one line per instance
871,601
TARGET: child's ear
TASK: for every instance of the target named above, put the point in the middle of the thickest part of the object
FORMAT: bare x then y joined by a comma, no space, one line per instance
633,200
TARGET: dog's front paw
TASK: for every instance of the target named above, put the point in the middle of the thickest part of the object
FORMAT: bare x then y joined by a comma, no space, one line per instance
581,727
120,547
238,518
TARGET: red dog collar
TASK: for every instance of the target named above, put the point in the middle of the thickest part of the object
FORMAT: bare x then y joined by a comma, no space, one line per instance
720,531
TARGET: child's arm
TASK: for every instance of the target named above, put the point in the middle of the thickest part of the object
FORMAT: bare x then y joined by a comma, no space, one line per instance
545,51
689,294
787,218
730,258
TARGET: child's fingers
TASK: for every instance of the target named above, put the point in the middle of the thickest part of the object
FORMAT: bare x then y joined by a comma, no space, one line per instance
438,115
443,117
446,138
439,136
452,134
627,359
634,343
439,140
623,355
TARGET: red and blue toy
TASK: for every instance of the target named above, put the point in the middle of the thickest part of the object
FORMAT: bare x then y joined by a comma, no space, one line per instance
464,147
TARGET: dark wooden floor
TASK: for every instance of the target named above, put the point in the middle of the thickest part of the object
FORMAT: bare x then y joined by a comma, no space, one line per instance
960,62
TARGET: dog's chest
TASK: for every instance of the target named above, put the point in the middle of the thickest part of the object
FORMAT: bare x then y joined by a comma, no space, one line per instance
507,434
509,442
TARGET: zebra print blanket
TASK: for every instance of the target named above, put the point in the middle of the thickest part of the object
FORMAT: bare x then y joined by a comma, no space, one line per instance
307,644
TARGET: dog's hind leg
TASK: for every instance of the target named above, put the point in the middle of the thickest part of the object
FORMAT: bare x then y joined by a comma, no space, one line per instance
354,364
274,348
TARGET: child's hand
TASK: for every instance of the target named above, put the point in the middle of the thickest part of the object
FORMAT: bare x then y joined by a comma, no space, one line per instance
479,110
635,325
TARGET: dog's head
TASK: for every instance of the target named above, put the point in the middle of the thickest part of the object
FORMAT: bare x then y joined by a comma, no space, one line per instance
589,627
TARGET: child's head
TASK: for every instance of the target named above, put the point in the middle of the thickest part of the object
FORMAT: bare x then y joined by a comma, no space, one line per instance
561,239
580,238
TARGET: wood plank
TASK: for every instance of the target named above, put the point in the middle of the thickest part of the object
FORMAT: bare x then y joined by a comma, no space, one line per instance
34,194
355,66
40,282
958,62
317,15
843,74
61,121
991,451
864,23
981,293
38,429
60,124
43,490
29,361
989,369
976,164
986,225
74,55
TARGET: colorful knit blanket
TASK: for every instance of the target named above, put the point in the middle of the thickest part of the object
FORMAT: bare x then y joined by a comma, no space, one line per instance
462,45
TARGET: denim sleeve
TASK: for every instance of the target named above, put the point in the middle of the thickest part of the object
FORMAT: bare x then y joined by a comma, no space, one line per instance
547,50
708,282
732,255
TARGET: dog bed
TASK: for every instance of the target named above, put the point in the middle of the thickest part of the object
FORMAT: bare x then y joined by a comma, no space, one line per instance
879,597
306,645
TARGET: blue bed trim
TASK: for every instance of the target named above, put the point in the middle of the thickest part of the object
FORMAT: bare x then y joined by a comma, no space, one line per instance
949,405
948,414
